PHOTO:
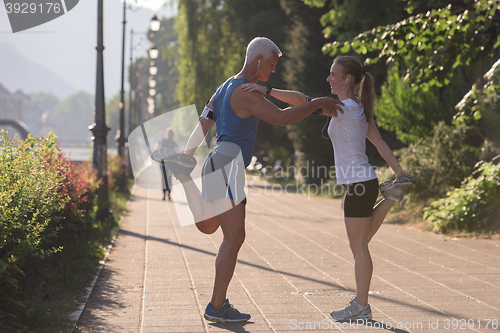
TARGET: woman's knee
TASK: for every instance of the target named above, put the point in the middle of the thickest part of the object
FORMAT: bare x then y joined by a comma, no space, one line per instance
358,245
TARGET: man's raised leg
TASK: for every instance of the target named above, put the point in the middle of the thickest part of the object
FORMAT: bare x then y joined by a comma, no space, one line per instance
202,210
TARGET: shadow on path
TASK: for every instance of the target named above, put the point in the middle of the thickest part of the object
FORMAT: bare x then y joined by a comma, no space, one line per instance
330,284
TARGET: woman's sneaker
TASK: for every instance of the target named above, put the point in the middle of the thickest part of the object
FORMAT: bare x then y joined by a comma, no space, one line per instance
395,190
353,311
176,163
226,314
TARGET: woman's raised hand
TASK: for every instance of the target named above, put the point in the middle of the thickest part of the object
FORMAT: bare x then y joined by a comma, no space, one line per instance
329,106
249,87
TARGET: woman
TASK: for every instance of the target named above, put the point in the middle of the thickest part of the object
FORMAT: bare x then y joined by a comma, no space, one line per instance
348,133
168,142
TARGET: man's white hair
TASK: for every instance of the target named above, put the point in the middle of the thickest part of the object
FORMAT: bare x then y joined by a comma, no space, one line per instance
261,46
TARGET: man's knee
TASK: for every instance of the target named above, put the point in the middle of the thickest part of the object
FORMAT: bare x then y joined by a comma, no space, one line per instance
208,226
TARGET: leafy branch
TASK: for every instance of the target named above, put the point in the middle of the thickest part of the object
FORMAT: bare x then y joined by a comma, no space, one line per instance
432,43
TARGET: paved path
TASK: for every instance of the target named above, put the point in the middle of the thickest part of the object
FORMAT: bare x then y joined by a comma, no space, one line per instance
294,268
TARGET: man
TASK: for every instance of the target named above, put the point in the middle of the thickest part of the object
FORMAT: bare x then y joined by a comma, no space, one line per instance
222,201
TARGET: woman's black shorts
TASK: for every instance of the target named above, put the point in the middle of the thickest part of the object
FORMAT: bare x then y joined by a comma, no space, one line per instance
360,198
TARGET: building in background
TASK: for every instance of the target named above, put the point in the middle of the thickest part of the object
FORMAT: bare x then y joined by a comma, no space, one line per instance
18,106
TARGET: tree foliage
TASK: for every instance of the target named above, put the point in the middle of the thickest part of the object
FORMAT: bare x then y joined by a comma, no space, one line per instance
436,38
209,50
213,36
73,116
470,206
306,70
165,40
480,105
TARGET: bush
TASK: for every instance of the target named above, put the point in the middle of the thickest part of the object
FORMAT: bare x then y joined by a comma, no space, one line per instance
30,201
441,161
46,204
472,204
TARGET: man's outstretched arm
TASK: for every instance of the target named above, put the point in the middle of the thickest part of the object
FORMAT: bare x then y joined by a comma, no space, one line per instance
254,104
200,131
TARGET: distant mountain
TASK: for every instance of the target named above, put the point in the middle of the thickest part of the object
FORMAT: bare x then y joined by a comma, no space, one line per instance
20,73
66,46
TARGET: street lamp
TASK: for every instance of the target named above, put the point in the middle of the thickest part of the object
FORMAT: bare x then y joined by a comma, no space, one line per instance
153,70
154,24
99,128
152,82
153,52
120,135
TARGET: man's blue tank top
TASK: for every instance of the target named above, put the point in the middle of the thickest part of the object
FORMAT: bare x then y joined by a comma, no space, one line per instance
230,127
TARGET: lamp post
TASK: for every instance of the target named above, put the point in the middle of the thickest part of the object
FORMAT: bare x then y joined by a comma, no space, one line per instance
153,54
99,128
120,135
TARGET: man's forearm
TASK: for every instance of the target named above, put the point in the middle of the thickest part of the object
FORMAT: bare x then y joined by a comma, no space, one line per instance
195,140
198,135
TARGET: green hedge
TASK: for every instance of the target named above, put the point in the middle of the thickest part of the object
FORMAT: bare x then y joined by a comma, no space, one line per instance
50,240
441,161
471,205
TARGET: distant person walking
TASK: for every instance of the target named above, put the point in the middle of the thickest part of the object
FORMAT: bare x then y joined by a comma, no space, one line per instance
168,142
348,133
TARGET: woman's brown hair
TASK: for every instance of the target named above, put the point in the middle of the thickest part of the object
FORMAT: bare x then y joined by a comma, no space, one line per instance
363,81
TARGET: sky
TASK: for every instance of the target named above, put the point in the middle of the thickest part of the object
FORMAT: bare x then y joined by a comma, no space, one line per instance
66,45
151,4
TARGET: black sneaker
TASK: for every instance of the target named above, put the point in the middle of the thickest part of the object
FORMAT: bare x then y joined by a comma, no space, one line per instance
226,314
176,163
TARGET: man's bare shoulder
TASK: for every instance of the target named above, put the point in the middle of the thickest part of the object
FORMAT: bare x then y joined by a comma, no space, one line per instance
242,95
242,101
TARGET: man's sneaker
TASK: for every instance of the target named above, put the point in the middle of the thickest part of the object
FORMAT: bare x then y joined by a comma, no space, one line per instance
395,190
226,314
176,163
162,153
353,311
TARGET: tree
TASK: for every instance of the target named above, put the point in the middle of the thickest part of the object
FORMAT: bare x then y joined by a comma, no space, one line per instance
305,70
213,36
165,40
73,116
250,19
167,78
434,42
437,36
209,50
46,101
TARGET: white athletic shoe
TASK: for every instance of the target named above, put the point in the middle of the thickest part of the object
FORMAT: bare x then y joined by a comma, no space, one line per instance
353,311
395,190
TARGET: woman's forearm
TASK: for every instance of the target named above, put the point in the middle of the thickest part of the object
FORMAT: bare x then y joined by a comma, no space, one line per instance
291,97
